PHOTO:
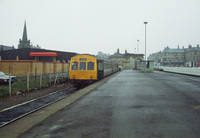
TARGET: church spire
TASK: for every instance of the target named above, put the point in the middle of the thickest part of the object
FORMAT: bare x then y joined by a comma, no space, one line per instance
24,43
24,37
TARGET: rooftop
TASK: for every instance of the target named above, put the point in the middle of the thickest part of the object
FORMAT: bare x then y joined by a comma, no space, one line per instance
168,50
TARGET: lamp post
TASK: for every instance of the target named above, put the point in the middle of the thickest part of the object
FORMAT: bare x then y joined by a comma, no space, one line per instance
145,45
137,46
137,55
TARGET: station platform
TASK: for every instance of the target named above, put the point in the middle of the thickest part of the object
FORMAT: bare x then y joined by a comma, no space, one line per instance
126,104
20,126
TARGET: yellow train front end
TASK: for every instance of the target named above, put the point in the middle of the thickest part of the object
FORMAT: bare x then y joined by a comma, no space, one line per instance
83,70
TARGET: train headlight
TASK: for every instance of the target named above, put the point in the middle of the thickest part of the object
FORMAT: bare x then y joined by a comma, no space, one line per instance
91,77
73,77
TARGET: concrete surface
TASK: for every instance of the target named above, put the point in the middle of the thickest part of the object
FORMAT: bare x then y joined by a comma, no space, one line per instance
130,104
183,70
18,127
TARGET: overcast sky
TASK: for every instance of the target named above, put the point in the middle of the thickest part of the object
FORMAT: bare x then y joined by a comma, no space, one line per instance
89,26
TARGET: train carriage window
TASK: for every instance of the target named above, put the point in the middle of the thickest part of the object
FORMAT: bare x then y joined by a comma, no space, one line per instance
100,66
90,66
74,65
82,66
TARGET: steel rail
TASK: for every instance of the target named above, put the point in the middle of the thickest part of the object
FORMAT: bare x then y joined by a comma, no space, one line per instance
32,111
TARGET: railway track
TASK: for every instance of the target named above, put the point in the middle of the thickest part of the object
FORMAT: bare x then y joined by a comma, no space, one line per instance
10,115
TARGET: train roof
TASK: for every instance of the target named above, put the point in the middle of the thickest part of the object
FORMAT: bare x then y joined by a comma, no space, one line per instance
98,59
87,54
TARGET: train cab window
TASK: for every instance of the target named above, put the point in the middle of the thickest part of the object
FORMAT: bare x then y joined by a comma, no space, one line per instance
90,66
82,66
74,65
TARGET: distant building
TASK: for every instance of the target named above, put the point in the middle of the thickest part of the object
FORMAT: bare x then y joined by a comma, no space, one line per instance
4,48
177,56
24,54
173,57
24,42
192,56
156,57
126,60
102,55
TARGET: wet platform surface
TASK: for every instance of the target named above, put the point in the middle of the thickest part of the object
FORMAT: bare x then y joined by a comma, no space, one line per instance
130,104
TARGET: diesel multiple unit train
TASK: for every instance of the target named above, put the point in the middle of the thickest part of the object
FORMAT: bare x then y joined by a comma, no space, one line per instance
86,69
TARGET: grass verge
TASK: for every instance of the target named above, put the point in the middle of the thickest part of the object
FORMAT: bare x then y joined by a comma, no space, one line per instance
21,85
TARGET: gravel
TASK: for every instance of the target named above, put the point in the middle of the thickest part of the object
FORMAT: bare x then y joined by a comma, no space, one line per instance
9,101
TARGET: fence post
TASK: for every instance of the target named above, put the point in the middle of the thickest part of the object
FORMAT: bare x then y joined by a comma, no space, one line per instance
9,84
50,78
67,76
41,80
56,78
35,72
28,81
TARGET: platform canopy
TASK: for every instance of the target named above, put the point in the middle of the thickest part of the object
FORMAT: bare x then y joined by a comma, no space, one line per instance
42,54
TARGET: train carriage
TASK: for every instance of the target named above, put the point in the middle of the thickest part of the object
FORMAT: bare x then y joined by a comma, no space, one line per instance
115,67
85,69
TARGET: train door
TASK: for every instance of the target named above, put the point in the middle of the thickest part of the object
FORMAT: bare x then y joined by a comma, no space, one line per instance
100,69
112,67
